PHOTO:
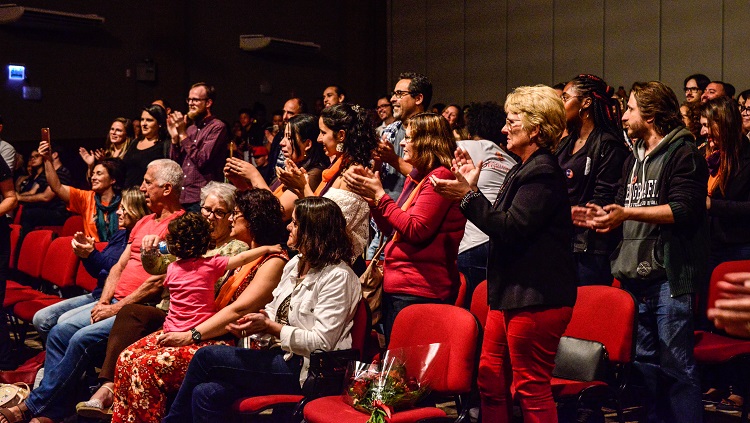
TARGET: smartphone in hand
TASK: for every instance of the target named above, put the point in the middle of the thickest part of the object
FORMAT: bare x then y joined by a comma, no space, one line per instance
46,137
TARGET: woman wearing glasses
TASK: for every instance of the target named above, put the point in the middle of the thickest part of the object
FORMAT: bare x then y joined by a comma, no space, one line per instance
744,100
592,156
531,274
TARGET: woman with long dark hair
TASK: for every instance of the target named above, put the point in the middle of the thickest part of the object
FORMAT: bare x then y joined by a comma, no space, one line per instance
153,144
592,156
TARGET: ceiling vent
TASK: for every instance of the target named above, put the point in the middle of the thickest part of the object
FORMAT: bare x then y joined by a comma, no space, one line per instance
28,17
278,46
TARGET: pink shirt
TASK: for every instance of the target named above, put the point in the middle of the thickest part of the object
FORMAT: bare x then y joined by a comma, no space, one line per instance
191,291
133,275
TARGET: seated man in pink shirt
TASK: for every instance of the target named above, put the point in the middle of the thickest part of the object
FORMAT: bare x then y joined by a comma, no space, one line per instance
82,337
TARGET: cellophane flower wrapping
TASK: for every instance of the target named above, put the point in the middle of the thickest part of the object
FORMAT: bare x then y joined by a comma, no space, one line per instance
396,382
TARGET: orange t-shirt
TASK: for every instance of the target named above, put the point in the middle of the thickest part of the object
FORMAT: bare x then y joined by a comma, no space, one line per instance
82,202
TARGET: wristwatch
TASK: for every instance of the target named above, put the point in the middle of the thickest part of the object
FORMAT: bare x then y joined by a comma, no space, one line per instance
196,335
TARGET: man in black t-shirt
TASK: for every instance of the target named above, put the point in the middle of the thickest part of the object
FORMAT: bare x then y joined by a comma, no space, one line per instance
44,208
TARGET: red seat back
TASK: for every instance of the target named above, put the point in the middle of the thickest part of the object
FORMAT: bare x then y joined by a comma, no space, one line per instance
72,225
33,252
83,278
361,326
461,297
15,235
605,314
718,274
479,303
60,263
454,327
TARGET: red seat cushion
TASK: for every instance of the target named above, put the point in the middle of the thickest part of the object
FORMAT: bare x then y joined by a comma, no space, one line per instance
569,388
334,409
15,296
260,403
713,348
27,309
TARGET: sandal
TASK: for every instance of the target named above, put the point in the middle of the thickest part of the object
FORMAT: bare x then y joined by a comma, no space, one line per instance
94,409
731,405
8,416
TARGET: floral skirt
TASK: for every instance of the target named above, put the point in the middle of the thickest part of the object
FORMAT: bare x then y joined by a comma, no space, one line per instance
146,373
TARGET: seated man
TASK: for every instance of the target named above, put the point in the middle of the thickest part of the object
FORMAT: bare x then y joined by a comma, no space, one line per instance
74,343
43,207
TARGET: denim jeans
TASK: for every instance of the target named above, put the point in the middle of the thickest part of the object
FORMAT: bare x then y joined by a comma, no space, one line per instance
472,263
219,375
664,359
48,317
72,347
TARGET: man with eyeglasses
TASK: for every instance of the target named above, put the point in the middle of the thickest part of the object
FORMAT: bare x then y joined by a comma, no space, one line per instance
412,95
201,147
385,114
694,85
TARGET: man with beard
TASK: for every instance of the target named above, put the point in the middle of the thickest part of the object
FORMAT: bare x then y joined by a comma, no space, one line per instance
662,257
200,148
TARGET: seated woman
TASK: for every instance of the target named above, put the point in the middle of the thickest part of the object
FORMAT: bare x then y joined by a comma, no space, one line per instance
132,209
312,309
190,281
299,146
420,260
254,220
348,136
98,206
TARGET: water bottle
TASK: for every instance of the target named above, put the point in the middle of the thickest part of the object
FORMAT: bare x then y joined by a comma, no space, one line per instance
163,247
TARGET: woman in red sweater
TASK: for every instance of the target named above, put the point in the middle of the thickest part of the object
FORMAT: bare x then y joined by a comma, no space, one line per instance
420,259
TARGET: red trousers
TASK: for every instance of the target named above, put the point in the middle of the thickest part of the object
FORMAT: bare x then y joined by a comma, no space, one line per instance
518,355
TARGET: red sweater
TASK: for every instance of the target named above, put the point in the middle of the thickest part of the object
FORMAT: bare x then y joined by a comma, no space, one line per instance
423,261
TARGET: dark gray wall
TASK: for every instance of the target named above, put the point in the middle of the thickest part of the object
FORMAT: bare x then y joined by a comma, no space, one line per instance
83,77
480,49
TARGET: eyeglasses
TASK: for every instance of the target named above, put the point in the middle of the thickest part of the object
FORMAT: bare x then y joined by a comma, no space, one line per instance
383,106
692,89
400,94
236,214
194,100
220,214
565,97
511,123
744,109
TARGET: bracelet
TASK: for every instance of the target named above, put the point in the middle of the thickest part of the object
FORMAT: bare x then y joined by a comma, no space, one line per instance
468,197
376,200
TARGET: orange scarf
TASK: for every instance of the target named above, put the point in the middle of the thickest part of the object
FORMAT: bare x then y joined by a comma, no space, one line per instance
329,174
233,283
408,202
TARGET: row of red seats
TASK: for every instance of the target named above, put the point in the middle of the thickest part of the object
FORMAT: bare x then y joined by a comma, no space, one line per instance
46,268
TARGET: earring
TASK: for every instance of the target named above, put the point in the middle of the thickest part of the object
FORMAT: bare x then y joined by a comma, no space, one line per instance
340,147
579,114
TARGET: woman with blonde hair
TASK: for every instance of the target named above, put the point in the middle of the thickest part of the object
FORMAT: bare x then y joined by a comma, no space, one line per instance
420,259
531,274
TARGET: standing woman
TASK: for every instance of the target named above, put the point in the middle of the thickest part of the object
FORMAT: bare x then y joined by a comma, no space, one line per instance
153,145
420,260
531,274
348,138
592,156
118,141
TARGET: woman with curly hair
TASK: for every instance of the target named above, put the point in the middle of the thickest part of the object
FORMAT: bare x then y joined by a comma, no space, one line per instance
148,370
312,308
348,137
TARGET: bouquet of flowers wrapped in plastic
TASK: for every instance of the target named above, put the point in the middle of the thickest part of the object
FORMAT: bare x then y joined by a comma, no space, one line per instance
396,382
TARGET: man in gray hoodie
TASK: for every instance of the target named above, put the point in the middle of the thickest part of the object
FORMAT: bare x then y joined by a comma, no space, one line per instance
662,257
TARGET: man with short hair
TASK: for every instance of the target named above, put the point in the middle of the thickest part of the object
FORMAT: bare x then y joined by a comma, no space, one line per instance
716,89
384,110
201,148
333,95
662,258
44,207
695,85
74,343
412,95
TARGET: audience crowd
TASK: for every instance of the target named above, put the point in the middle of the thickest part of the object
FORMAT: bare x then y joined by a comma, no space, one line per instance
233,250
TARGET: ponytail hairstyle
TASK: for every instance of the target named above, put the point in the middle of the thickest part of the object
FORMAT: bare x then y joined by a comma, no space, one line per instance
356,122
604,108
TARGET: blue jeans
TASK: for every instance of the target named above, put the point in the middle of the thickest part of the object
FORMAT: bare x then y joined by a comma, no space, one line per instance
72,346
664,353
473,264
48,317
219,375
